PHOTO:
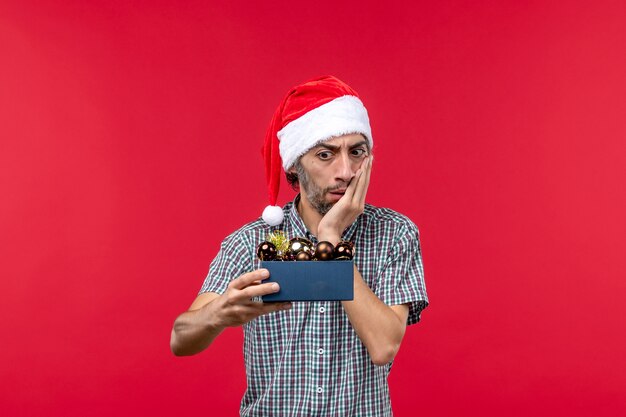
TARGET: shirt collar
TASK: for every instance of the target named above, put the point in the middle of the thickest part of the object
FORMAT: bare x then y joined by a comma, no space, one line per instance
300,229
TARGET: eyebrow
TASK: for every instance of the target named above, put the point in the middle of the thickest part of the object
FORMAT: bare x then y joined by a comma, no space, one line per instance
335,148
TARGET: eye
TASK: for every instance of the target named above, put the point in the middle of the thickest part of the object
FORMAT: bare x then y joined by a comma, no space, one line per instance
359,152
324,155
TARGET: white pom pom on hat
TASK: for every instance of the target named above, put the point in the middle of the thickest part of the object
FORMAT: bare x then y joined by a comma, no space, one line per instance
273,215
312,112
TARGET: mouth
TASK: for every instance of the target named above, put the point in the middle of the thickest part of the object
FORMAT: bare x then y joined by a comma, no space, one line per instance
338,192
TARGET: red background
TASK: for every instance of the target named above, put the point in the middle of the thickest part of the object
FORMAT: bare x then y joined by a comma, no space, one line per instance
130,139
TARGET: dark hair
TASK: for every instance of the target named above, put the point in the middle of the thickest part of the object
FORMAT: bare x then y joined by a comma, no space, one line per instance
292,177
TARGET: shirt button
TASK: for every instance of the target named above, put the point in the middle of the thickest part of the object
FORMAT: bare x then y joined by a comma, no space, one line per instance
320,351
322,309
320,390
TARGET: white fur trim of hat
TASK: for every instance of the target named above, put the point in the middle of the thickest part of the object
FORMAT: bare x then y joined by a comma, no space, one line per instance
341,116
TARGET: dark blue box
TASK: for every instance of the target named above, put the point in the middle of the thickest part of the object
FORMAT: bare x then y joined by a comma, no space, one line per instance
311,280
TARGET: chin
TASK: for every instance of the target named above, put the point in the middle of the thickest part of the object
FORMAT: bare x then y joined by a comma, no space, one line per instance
323,207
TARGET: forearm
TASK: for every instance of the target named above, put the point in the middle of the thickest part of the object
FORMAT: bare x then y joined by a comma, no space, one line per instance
379,327
193,331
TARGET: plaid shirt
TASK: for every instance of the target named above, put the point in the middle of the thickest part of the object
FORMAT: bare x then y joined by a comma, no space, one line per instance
308,361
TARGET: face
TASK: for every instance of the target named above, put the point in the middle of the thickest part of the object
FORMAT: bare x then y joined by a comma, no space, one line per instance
326,170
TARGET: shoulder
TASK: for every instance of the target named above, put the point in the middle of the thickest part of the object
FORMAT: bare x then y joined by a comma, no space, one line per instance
388,220
255,231
249,231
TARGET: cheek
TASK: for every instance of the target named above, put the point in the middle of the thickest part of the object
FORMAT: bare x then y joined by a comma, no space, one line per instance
315,170
314,165
356,165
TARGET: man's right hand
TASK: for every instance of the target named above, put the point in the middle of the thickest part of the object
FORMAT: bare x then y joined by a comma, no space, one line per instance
236,307
211,313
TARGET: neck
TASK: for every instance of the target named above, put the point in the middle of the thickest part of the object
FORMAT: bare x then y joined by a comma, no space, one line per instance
310,216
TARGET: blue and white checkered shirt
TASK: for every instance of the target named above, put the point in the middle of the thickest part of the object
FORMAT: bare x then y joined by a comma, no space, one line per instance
308,361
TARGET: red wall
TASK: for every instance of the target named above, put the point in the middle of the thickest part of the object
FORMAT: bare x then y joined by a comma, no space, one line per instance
129,147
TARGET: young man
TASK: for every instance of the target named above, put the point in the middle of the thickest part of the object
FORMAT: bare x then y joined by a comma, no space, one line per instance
315,358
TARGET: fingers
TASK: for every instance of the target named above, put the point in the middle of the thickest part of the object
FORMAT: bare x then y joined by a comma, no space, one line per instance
250,285
266,308
363,182
246,311
354,184
258,290
248,279
236,303
259,307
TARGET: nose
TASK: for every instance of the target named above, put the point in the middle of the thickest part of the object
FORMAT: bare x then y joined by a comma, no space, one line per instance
343,168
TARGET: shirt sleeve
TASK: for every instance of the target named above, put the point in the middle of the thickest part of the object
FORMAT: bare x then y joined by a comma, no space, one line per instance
232,260
402,279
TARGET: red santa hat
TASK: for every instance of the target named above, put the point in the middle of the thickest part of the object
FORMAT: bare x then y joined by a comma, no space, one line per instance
310,113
